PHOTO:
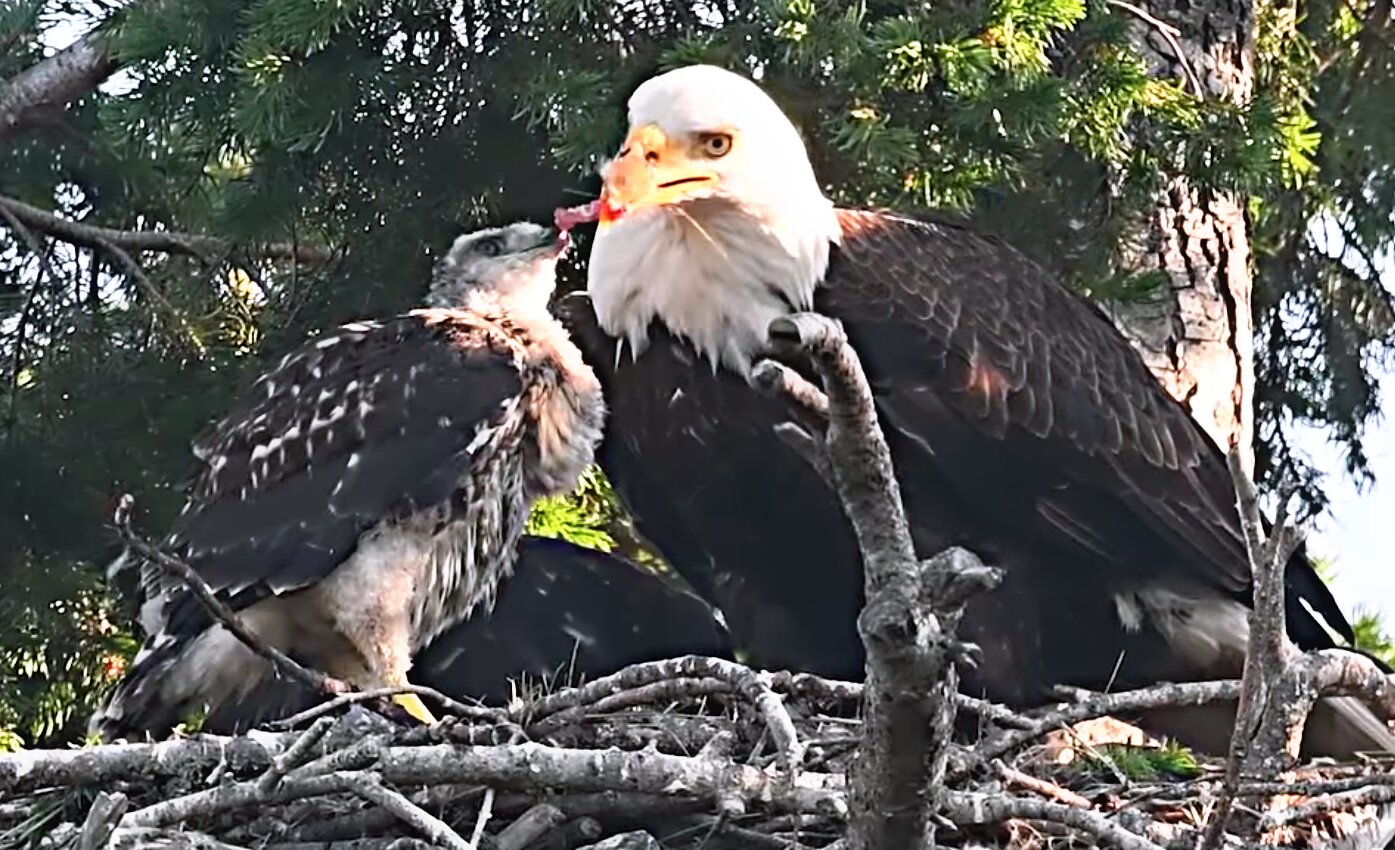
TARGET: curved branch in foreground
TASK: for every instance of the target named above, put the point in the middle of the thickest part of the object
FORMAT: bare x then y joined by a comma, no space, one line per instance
203,248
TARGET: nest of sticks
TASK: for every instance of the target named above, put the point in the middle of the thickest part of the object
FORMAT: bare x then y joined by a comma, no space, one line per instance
699,752
682,753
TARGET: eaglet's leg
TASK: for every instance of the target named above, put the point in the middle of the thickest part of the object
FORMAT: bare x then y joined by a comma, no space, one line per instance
364,607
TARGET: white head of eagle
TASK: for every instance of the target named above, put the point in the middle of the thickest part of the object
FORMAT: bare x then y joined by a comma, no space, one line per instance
370,491
711,221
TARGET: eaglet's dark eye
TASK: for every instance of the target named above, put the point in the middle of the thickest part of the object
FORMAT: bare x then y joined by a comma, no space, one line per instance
491,247
716,144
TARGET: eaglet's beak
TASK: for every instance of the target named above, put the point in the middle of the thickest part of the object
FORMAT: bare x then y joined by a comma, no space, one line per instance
651,170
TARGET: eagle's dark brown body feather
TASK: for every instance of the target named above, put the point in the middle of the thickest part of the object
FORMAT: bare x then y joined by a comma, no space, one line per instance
1022,425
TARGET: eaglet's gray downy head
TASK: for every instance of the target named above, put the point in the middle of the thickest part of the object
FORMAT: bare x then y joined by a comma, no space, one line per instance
515,263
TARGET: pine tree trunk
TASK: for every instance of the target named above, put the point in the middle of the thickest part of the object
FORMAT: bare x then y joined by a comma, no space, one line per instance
1199,339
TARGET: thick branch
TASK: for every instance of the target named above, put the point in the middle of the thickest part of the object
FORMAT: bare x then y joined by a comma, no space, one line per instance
537,767
909,700
204,248
54,82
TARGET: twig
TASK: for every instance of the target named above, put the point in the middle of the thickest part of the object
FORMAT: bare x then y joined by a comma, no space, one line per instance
909,699
529,827
102,818
297,755
137,274
741,679
1168,695
203,248
660,693
370,788
1040,786
1344,801
356,757
486,811
455,707
144,838
1169,34
284,664
241,795
967,808
809,686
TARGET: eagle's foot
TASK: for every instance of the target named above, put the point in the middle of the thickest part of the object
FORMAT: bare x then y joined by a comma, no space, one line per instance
335,687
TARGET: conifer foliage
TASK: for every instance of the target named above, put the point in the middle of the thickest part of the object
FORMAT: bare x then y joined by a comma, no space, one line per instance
315,154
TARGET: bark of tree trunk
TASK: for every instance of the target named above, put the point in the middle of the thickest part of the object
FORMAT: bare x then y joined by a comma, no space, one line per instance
1199,340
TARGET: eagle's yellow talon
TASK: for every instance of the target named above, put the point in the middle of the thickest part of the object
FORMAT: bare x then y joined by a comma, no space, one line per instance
413,705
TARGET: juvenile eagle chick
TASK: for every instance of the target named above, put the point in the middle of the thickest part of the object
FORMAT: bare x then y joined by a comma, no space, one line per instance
371,490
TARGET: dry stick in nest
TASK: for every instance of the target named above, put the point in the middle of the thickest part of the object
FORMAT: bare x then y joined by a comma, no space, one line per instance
740,678
912,609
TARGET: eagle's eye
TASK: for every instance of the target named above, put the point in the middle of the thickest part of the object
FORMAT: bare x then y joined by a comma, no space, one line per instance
716,144
490,247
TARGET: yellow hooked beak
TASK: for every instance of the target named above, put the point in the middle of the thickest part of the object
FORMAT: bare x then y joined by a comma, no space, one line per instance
651,170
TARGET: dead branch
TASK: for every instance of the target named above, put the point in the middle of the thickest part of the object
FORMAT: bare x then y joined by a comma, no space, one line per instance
1101,705
486,812
30,770
532,826
102,818
370,788
1252,749
536,767
206,249
217,792
978,808
454,707
298,754
1055,792
1339,802
909,699
146,839
741,679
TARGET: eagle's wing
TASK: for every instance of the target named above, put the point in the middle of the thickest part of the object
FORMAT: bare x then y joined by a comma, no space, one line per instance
570,613
981,358
370,421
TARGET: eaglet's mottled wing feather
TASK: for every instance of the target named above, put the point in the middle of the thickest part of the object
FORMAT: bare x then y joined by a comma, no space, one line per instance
980,357
371,421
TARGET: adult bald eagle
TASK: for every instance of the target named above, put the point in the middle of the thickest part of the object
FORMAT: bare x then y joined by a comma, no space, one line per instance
1022,424
372,489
